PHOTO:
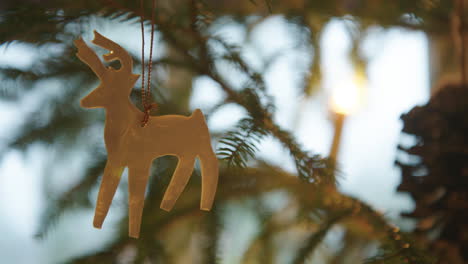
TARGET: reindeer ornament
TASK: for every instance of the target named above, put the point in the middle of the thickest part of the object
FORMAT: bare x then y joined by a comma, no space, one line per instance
130,145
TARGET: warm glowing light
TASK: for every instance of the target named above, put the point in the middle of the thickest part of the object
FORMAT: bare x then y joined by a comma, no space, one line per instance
348,96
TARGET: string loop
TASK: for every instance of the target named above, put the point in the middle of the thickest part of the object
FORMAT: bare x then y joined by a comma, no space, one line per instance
146,91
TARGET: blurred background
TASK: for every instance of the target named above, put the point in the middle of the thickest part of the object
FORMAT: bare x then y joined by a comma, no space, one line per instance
334,76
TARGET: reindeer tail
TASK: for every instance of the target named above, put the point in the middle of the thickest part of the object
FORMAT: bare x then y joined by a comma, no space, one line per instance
209,164
198,115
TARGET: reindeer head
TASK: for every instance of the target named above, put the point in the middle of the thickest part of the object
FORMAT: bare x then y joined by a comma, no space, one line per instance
115,84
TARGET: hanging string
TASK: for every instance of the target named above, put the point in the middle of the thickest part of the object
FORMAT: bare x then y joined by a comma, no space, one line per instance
143,92
146,91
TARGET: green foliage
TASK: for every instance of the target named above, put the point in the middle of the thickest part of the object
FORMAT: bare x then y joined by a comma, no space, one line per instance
315,239
187,30
77,196
239,145
404,252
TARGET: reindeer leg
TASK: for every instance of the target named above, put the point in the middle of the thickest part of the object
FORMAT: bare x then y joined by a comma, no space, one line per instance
137,181
110,181
179,180
210,171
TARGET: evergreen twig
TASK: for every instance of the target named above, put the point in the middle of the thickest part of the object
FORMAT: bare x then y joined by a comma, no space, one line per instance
315,239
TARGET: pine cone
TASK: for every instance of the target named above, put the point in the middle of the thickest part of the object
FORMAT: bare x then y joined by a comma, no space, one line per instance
435,173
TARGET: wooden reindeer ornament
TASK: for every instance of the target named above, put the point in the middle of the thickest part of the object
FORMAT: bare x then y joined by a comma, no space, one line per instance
130,145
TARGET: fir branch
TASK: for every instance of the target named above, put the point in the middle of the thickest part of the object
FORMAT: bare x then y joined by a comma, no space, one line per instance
397,246
268,4
329,200
314,31
261,181
66,122
394,253
312,168
234,56
63,66
77,196
66,127
239,145
37,23
315,239
212,225
309,167
261,246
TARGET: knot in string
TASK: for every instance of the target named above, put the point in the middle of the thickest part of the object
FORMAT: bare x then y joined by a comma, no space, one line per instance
147,113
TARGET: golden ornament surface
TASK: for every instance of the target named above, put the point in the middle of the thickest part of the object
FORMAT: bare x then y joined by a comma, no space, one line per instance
130,145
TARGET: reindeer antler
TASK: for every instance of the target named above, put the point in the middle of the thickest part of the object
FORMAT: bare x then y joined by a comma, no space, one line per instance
87,55
116,51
